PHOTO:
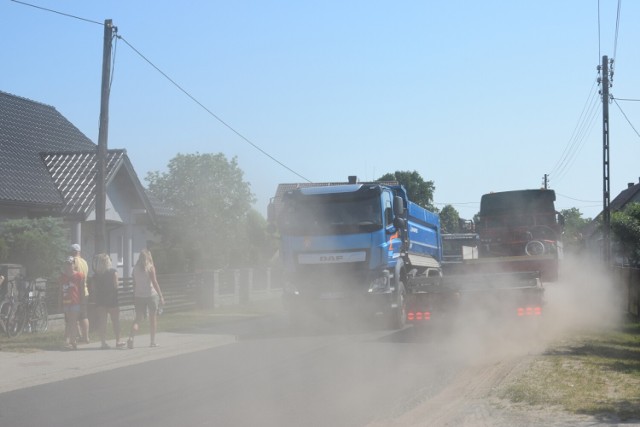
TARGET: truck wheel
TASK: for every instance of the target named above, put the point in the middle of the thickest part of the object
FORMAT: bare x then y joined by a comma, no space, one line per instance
398,315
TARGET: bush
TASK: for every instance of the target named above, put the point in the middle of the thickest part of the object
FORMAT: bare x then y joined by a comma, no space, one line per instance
38,244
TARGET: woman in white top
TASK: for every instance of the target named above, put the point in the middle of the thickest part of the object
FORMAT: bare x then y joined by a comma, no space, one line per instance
147,295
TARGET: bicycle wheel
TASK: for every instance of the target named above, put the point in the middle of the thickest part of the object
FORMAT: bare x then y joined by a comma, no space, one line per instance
5,307
16,320
40,317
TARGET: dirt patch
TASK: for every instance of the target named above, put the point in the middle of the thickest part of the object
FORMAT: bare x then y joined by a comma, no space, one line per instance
472,400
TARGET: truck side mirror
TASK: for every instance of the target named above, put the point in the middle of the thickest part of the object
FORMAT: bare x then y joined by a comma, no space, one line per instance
399,223
398,206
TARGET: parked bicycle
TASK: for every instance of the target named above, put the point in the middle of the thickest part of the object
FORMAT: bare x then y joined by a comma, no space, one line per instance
12,312
25,312
37,317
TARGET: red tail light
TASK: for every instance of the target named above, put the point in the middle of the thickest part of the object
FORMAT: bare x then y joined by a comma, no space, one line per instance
529,311
418,315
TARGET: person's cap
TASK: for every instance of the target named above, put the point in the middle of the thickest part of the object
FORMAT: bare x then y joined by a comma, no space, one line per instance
70,260
75,247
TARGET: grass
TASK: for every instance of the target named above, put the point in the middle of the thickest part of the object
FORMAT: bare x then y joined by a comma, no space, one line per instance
595,374
168,322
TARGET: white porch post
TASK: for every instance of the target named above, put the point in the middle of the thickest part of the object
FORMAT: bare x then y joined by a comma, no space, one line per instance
127,248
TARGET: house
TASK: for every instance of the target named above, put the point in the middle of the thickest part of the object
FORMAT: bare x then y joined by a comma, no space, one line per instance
47,168
592,232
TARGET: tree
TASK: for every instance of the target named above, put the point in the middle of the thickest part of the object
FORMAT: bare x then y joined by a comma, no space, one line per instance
449,219
210,200
418,190
255,246
625,225
573,226
39,245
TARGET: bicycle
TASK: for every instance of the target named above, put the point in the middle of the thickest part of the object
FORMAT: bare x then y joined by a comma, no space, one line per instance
12,312
37,316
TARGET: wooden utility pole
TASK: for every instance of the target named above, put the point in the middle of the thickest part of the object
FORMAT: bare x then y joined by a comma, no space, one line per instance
101,155
606,193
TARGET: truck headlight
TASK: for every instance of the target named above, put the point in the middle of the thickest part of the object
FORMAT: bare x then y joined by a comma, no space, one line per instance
381,283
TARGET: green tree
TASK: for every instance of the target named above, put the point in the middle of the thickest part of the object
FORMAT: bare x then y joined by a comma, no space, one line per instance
573,226
449,219
625,225
255,245
210,199
418,190
39,245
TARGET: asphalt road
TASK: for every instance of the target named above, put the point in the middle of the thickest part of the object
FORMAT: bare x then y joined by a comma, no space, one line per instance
266,376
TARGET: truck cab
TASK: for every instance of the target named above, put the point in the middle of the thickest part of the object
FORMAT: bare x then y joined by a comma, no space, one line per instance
345,247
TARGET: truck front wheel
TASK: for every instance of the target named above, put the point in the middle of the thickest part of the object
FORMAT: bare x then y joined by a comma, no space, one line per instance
397,317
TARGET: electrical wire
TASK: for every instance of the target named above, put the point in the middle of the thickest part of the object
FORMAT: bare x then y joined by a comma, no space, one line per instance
615,43
579,124
580,141
113,60
578,200
625,116
59,13
170,80
599,36
582,129
211,113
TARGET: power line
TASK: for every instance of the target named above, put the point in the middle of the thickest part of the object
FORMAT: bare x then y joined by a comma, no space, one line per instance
583,128
59,13
615,43
599,36
211,113
579,125
578,200
585,131
627,118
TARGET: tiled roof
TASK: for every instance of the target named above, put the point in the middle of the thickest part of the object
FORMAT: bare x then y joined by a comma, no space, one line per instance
46,163
28,128
630,194
74,175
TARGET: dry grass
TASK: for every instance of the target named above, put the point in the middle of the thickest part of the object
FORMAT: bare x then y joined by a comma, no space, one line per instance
592,374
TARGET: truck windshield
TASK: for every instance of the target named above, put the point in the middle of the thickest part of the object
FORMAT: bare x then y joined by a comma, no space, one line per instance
524,208
525,201
334,214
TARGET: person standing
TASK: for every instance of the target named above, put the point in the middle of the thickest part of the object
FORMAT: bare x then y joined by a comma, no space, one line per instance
147,296
83,316
105,293
71,282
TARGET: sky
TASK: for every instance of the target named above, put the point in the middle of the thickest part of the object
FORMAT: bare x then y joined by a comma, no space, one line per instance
474,96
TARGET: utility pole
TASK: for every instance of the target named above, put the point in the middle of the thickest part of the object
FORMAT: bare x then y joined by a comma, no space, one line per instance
606,193
101,155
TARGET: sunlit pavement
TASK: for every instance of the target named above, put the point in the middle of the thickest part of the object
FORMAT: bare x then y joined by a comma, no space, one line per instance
22,370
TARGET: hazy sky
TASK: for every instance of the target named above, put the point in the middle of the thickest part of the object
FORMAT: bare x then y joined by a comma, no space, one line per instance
475,96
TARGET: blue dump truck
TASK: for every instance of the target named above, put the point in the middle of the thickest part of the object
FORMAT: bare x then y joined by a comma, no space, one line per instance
365,249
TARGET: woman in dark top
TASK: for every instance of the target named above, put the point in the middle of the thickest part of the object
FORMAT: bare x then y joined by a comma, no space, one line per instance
105,288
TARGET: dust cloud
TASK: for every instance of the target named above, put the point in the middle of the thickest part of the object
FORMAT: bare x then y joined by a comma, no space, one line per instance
585,298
